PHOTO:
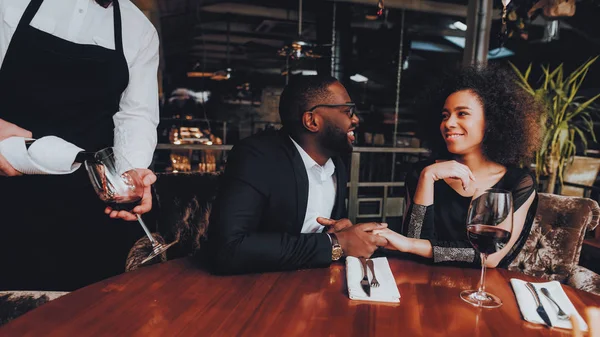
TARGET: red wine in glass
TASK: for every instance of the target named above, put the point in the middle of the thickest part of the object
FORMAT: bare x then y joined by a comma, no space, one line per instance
124,204
487,239
489,225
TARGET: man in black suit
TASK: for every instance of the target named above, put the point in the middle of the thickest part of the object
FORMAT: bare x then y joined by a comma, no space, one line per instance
280,188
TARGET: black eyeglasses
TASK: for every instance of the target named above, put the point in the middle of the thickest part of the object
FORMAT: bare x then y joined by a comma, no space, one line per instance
350,113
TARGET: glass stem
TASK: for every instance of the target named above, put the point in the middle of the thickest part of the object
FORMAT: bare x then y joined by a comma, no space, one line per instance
481,289
148,234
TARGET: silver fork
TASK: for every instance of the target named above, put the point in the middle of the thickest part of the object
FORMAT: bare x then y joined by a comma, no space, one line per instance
561,314
374,282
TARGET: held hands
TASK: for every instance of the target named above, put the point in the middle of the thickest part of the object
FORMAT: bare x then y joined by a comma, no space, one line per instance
8,130
148,178
450,169
395,241
357,240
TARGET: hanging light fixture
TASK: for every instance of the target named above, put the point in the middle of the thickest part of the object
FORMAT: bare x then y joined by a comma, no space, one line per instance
299,48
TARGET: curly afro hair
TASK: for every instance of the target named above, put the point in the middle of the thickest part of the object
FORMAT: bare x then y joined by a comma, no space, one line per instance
512,116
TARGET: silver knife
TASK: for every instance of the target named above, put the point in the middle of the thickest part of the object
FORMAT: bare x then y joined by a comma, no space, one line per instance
364,283
540,308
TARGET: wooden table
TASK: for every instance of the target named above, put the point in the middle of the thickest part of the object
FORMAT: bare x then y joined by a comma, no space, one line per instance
179,299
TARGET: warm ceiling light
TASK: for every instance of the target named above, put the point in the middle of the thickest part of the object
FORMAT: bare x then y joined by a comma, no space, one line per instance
298,49
198,74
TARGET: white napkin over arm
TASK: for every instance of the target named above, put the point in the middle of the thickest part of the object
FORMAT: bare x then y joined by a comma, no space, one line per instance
47,155
386,292
528,308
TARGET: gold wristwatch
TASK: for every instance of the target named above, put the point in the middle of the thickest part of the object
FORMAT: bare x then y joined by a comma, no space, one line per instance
336,248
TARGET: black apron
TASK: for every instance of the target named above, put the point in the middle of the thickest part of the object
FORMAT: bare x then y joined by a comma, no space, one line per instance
53,232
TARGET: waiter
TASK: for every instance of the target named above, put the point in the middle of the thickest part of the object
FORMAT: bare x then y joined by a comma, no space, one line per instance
84,71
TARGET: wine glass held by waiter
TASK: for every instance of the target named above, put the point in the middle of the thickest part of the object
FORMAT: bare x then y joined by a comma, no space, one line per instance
92,68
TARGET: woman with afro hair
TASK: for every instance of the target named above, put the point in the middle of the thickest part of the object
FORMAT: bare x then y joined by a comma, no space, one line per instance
480,126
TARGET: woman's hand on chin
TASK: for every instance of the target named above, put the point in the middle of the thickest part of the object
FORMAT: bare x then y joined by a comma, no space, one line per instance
449,169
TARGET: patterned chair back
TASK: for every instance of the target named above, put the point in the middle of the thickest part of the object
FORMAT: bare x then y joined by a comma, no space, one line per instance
180,212
553,247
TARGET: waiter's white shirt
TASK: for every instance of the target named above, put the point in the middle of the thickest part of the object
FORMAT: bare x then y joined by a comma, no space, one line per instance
86,22
321,191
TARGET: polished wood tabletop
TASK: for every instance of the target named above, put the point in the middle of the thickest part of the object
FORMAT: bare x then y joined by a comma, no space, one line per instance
177,298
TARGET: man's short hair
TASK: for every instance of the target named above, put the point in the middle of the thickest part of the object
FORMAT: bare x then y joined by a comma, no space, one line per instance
301,94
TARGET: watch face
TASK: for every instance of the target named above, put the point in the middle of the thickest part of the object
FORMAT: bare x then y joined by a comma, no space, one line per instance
336,253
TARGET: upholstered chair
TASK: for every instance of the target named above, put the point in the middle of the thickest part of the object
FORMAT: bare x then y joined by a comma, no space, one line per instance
180,212
15,303
554,245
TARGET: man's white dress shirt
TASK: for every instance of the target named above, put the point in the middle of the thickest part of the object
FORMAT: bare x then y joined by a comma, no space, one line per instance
321,191
86,22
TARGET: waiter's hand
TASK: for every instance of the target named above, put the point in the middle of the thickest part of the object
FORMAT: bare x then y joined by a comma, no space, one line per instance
8,130
6,170
148,178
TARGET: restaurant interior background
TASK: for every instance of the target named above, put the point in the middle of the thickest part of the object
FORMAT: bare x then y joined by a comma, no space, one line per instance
224,64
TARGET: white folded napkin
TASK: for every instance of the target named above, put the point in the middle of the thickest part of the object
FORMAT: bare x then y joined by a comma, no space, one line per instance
528,307
47,155
386,292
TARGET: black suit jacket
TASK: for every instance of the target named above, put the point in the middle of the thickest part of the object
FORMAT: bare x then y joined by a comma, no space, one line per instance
256,220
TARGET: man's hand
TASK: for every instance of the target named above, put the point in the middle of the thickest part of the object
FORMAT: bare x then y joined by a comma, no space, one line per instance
148,178
334,226
8,130
358,240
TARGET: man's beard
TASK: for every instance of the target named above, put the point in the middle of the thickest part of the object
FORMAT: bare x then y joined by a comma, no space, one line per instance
335,140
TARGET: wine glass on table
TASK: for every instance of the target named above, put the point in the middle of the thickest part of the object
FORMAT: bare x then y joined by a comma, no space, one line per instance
118,184
489,227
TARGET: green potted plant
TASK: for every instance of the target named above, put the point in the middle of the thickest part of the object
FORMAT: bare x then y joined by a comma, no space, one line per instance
568,116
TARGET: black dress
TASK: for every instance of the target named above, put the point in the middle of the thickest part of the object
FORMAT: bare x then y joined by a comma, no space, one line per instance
443,222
